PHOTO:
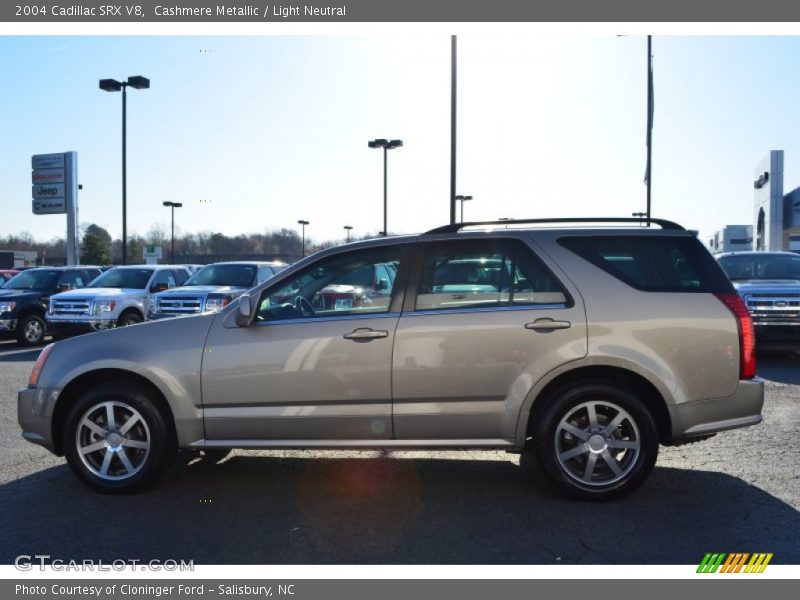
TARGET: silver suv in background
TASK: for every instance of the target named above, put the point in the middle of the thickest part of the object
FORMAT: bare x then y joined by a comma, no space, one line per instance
585,347
769,283
212,288
121,296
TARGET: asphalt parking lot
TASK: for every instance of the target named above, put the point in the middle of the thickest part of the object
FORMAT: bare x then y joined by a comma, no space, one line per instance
739,491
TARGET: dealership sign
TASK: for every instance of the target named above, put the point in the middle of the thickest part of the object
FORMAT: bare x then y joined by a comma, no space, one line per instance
54,189
53,185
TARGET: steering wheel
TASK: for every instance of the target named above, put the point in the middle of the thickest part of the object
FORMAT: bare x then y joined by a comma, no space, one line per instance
304,306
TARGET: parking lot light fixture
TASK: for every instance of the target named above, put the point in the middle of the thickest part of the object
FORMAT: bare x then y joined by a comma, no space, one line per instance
386,145
348,229
463,199
137,82
173,206
303,223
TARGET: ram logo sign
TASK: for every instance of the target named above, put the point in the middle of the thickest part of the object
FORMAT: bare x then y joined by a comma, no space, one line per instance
735,562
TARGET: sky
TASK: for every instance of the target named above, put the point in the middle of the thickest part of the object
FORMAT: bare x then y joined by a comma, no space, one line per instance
253,133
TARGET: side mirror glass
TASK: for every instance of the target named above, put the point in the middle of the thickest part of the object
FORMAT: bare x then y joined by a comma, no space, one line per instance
246,313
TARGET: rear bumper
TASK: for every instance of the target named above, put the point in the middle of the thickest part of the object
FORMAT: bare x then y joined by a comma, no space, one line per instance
704,417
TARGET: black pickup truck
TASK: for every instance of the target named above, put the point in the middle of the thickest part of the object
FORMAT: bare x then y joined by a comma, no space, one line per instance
24,299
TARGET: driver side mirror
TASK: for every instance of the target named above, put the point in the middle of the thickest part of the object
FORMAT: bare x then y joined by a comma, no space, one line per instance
246,313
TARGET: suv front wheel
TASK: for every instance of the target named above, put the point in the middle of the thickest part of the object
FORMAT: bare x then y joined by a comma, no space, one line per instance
116,440
596,441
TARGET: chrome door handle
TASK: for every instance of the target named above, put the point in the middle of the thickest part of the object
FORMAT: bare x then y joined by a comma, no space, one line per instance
365,334
547,325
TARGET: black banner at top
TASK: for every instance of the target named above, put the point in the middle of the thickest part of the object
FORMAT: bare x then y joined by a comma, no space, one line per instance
353,11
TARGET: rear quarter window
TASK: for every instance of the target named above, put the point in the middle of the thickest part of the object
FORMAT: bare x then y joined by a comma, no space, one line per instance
653,263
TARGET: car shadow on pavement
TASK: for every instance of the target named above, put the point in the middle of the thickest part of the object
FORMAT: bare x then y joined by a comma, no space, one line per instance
250,509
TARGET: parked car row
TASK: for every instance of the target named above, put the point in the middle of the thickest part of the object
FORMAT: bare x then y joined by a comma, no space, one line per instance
66,301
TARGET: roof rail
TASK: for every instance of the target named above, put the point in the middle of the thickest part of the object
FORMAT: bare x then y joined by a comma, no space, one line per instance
455,227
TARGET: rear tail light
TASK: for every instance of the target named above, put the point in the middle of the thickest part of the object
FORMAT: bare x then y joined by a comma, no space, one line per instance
747,335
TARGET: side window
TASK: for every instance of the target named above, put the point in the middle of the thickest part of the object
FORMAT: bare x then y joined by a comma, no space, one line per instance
484,274
181,275
264,273
73,279
339,285
164,276
652,263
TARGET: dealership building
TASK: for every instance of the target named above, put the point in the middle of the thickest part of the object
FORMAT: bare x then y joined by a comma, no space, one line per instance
776,215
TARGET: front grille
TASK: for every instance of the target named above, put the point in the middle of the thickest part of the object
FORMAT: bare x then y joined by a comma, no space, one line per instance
774,308
182,305
73,306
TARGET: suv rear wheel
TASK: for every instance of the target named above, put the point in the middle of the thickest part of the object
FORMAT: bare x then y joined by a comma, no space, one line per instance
116,440
596,441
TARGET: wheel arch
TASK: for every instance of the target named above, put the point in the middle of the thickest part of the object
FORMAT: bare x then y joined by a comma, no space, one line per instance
653,399
90,379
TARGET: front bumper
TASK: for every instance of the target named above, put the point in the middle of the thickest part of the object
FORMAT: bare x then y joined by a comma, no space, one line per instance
35,415
8,325
67,328
777,337
704,417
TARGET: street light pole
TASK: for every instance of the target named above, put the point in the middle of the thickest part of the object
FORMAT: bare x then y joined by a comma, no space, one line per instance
303,223
463,199
386,145
112,85
173,206
348,228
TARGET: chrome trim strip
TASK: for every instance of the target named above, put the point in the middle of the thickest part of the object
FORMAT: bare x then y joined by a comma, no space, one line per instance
715,426
373,443
383,315
445,311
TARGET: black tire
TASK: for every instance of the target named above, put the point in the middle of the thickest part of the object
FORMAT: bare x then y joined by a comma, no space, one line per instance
553,442
31,330
148,465
129,318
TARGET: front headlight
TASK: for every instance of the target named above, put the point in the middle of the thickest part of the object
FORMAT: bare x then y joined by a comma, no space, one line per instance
39,365
104,306
215,304
7,306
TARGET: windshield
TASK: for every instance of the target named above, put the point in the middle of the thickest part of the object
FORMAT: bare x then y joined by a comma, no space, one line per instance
33,280
766,266
123,278
233,275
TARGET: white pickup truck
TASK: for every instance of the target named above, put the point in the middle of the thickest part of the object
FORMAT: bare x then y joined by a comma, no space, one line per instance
120,296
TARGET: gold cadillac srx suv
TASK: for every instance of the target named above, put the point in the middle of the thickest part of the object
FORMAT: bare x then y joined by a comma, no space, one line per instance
584,342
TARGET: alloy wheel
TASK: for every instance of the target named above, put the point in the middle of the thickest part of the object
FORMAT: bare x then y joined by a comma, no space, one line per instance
113,440
597,443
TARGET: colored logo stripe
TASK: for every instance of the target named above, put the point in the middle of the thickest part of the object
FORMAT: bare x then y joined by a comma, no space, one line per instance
734,562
